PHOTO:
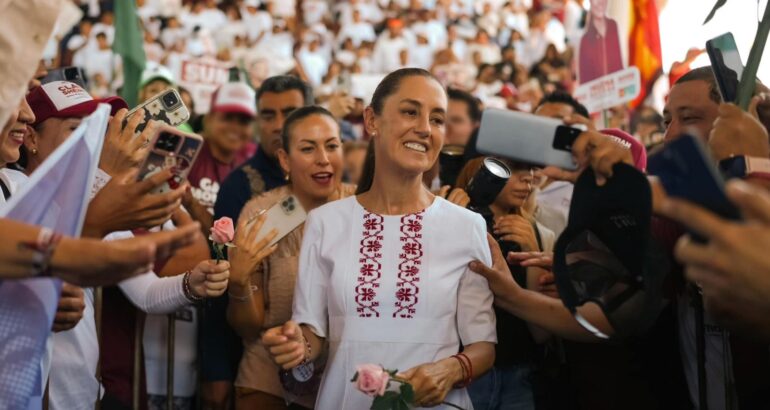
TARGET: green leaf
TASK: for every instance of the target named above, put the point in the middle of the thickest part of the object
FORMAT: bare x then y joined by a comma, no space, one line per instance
717,6
401,404
407,393
355,378
385,402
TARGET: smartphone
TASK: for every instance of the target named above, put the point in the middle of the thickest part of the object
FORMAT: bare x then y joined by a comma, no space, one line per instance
171,149
727,65
166,106
72,74
285,216
687,171
527,138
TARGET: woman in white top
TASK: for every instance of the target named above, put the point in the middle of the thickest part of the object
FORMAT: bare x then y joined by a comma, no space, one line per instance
383,276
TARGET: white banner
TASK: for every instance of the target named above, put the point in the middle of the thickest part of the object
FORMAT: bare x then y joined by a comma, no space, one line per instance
56,197
611,90
202,77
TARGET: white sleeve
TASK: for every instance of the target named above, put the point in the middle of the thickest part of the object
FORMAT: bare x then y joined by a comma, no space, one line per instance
310,292
155,295
475,316
147,291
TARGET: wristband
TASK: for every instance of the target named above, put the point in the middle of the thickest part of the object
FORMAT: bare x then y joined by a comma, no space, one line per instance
43,248
245,298
187,289
744,166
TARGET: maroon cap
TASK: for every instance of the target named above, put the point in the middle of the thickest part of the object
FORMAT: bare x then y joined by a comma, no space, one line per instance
638,152
63,99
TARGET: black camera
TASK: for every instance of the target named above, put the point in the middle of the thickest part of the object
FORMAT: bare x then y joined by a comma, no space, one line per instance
168,142
451,162
483,188
170,100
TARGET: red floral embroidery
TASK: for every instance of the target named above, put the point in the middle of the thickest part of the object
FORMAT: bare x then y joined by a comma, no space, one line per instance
407,287
371,268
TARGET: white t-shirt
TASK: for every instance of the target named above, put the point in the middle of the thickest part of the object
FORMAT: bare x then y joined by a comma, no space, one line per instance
13,180
97,61
553,204
285,8
314,11
387,53
421,55
391,290
314,65
257,23
185,352
357,32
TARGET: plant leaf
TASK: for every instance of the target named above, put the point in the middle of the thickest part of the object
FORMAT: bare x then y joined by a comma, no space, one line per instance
407,393
355,378
717,6
384,402
401,404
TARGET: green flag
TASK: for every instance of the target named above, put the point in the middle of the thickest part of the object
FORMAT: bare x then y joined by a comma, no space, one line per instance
128,44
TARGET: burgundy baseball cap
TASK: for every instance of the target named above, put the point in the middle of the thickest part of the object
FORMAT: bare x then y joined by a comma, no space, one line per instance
63,99
235,98
638,152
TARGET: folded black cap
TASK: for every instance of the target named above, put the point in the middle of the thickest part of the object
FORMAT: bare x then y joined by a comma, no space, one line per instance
606,256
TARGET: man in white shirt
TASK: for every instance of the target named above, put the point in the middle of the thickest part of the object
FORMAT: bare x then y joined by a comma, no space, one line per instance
314,11
98,60
431,28
313,63
358,30
258,22
388,49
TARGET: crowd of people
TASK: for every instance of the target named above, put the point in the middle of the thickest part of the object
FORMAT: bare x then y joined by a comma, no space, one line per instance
404,259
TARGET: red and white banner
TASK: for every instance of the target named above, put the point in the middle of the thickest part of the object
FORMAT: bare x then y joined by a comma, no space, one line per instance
202,77
609,91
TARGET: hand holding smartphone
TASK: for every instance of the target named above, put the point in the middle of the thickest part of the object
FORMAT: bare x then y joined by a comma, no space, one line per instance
686,171
727,65
166,107
527,138
171,149
285,216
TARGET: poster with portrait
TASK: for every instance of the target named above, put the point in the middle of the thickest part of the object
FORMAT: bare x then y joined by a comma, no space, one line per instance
600,50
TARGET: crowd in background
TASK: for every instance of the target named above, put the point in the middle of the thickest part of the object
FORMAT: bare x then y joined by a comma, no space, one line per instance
506,53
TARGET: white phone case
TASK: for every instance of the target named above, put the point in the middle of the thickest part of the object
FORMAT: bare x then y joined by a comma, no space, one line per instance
284,217
524,137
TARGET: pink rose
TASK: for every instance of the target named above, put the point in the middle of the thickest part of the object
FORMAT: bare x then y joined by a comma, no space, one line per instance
372,380
223,231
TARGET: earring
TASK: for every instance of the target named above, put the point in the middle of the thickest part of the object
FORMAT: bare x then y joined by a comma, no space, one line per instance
33,151
287,178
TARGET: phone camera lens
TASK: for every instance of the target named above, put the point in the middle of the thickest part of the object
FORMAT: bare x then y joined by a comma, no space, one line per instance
170,100
291,207
167,142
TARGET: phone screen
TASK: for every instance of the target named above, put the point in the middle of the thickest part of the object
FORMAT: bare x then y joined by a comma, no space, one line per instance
686,171
727,65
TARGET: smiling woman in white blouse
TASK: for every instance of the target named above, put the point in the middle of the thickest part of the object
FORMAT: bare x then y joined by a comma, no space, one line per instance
383,276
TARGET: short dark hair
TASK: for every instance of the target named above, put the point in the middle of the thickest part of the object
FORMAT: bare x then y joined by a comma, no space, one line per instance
563,97
473,103
705,74
298,115
282,83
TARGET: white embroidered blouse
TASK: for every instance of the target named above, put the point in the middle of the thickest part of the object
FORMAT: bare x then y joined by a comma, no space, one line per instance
391,290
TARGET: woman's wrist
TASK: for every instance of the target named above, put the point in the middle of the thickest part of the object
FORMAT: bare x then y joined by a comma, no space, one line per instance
455,370
189,290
